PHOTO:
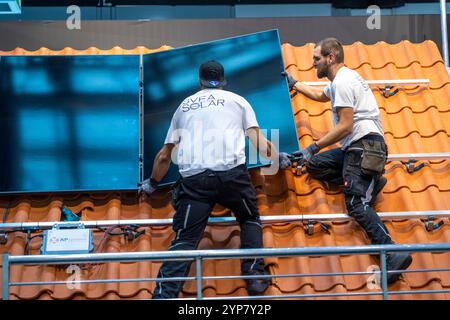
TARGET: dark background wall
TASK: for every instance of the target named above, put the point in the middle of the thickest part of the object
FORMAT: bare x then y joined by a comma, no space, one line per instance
32,35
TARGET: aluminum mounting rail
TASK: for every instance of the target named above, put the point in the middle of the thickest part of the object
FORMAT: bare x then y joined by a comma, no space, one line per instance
419,156
380,83
334,217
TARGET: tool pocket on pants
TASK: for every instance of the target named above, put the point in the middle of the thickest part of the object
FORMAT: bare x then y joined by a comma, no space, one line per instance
354,182
373,157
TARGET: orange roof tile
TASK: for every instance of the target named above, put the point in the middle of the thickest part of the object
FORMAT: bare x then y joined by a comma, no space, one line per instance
415,120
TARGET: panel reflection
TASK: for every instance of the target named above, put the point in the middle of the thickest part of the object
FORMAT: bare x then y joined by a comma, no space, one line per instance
69,123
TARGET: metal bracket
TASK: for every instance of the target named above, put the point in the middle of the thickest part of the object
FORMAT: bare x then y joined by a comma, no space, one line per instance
297,162
325,227
131,233
299,169
4,235
411,168
431,226
309,227
3,238
387,91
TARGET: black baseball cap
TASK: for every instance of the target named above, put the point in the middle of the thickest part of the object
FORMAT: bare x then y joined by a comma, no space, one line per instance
211,74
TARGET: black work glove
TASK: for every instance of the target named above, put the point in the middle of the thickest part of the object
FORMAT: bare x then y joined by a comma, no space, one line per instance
147,186
291,80
284,160
308,152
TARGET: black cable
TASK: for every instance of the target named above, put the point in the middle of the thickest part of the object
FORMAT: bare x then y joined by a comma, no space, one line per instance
5,214
29,238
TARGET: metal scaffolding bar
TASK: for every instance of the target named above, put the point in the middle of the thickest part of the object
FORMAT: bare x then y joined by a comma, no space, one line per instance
384,283
200,255
5,276
198,278
224,254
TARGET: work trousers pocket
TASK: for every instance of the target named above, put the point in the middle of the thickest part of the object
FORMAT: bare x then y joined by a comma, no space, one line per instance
373,157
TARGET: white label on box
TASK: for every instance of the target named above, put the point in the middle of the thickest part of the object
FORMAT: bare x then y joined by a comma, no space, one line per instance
68,240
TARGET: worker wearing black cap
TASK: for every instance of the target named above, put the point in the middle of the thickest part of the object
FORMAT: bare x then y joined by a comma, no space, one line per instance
212,171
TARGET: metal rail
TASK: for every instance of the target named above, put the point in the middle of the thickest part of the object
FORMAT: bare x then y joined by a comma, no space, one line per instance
199,255
419,156
378,83
330,217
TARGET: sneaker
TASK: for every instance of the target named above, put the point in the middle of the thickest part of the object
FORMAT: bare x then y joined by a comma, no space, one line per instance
397,261
378,187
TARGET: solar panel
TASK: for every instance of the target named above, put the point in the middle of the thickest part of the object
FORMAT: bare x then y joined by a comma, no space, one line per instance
253,65
69,123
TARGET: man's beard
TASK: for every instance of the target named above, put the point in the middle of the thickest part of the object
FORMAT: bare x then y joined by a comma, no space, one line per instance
322,73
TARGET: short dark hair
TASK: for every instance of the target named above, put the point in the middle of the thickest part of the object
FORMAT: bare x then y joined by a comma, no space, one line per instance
331,45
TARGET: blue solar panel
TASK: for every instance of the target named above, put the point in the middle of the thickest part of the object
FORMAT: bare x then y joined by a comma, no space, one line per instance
69,123
253,65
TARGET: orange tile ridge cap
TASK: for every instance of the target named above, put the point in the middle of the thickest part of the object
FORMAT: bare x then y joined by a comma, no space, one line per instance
90,50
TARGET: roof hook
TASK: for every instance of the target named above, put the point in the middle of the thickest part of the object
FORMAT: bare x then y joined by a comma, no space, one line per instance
309,227
411,168
387,91
431,226
3,238
131,232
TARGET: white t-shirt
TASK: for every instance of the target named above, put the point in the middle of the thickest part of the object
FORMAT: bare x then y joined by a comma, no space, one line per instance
349,89
209,128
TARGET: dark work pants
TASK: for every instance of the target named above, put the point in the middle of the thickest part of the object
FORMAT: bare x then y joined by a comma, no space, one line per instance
344,168
194,198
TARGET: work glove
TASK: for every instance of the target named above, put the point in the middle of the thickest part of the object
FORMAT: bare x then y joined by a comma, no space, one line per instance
284,160
308,152
147,186
291,80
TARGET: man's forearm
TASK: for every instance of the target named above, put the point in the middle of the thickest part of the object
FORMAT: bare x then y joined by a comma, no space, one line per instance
160,167
264,147
309,91
335,135
268,150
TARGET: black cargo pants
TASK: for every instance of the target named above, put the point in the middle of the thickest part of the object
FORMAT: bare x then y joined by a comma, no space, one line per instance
194,198
344,168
